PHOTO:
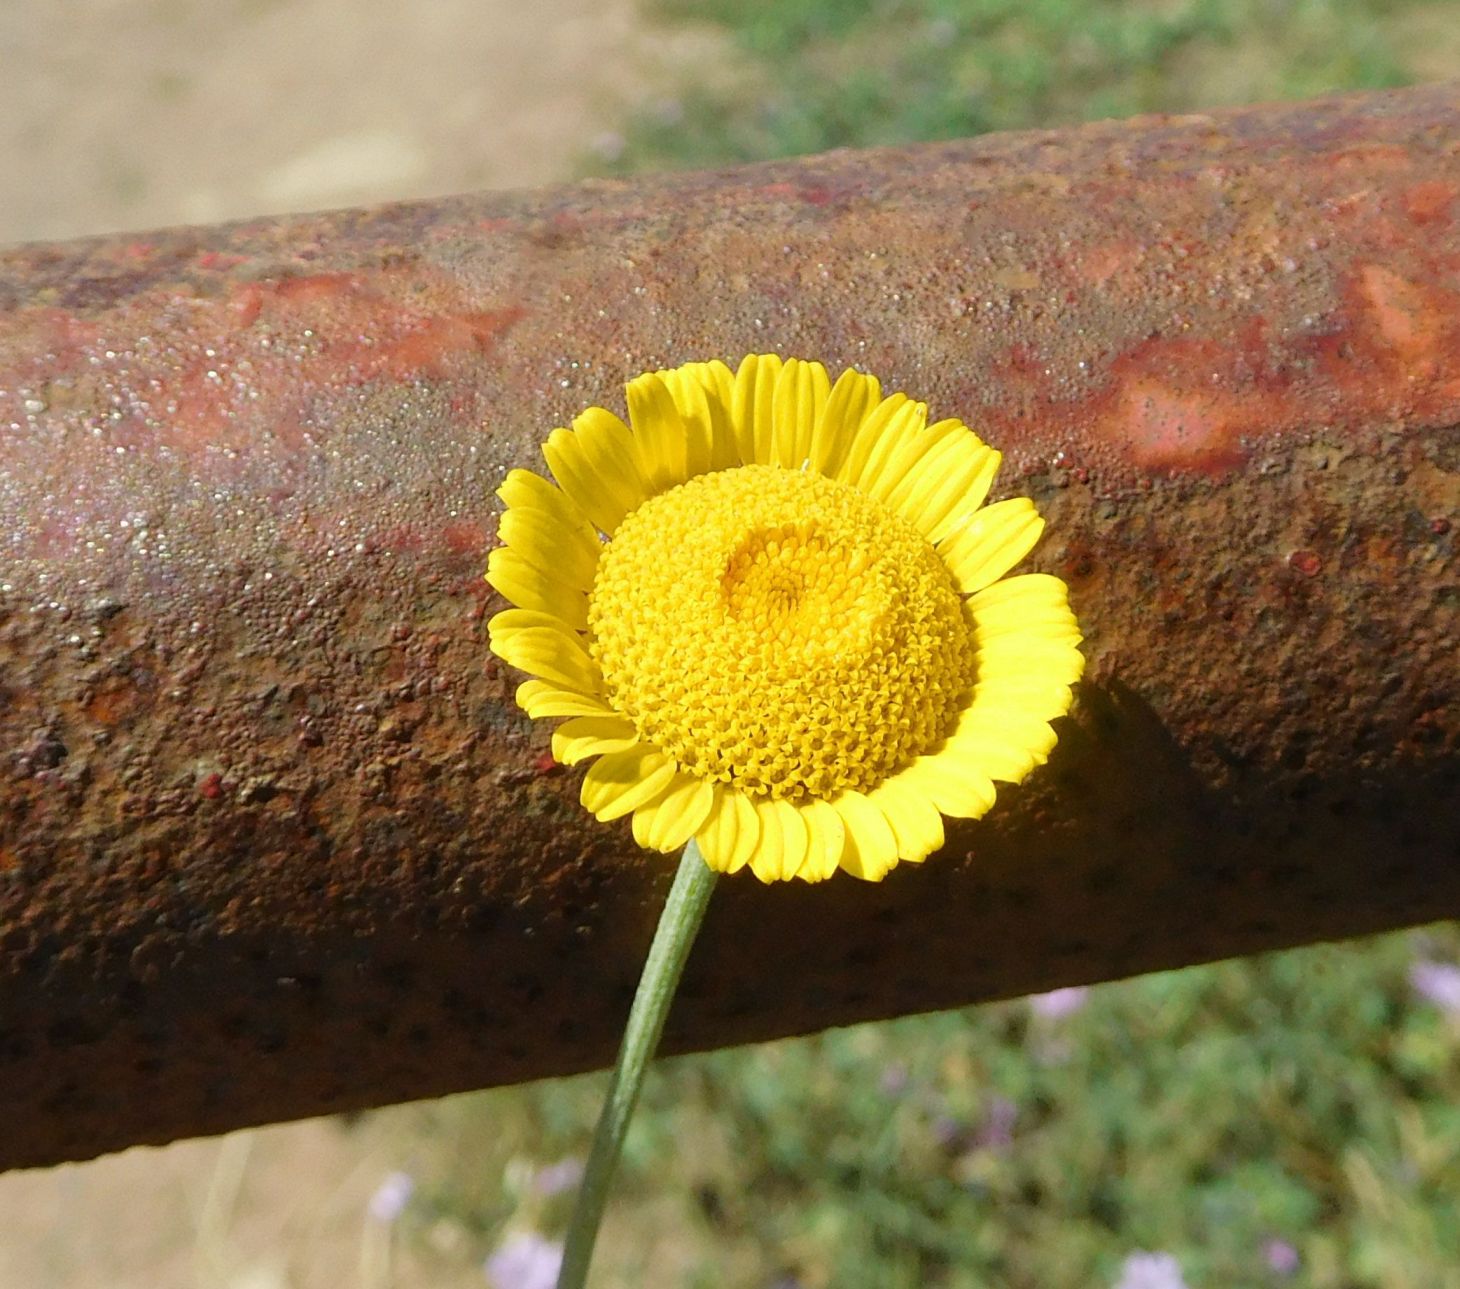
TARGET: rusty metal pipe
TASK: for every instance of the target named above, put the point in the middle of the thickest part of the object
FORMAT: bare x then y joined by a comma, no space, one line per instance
274,840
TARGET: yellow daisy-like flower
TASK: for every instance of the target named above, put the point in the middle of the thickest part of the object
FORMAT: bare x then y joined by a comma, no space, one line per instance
775,610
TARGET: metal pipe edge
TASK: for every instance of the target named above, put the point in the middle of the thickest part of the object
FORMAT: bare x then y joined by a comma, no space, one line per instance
274,840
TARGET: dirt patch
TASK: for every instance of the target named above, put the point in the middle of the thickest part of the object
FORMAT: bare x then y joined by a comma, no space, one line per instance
129,114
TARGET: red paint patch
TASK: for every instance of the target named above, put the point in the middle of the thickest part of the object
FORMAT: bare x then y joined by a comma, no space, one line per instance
1429,202
1173,427
258,367
1187,405
464,538
1096,266
219,260
1305,562
1406,318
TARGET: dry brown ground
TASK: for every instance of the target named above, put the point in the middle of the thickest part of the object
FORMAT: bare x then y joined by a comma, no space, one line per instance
124,114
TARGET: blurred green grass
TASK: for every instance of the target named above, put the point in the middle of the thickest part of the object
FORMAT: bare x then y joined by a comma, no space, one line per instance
1309,1097
802,76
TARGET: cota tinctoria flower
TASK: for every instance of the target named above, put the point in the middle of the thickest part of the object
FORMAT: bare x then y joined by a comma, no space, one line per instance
776,612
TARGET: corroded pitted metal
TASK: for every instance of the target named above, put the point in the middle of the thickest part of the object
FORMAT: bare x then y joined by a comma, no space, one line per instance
274,840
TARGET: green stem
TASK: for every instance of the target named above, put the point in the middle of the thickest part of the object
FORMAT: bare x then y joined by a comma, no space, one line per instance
678,924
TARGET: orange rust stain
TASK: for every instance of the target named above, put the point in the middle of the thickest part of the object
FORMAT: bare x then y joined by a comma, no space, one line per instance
1101,263
1188,404
9,860
111,705
1407,318
219,260
464,537
1430,201
258,365
1169,427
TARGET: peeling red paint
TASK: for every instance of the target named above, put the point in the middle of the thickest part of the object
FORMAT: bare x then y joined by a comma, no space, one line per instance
1417,322
1306,562
1429,202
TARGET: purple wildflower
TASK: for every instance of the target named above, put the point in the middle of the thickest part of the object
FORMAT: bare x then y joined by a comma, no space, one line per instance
525,1261
1437,983
1281,1257
559,1177
894,1080
1059,1004
1150,1271
391,1197
997,1130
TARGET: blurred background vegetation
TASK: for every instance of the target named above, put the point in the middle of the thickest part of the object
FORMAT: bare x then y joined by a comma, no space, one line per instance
1293,1120
819,74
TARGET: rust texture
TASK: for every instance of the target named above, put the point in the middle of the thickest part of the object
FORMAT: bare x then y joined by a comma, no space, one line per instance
274,840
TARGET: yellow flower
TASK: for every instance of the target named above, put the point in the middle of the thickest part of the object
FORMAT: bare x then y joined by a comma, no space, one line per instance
797,644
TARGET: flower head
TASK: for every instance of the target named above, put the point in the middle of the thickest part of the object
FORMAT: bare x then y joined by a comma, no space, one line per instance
525,1261
1437,983
391,1197
775,610
1150,1271
1059,1004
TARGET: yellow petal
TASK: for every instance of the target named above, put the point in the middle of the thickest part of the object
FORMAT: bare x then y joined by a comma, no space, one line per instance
906,457
730,832
551,654
1001,745
1038,694
957,789
851,398
989,542
828,839
670,820
691,390
1027,588
1032,605
597,465
871,846
538,699
528,587
795,838
544,540
997,754
914,819
752,406
510,620
879,436
1027,657
950,481
524,488
660,432
765,861
719,383
622,781
584,736
800,394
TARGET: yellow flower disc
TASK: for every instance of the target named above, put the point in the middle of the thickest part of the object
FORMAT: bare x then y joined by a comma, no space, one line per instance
779,631
775,614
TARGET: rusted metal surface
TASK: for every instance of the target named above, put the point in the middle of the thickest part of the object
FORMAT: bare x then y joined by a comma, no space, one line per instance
274,840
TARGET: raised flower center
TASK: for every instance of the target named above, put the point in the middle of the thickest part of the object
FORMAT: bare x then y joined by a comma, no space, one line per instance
780,631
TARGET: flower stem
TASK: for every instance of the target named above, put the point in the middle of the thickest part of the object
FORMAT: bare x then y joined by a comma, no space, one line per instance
678,925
